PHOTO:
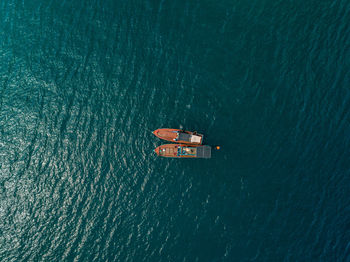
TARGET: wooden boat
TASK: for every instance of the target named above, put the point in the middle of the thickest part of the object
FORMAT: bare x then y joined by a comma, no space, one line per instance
183,151
179,136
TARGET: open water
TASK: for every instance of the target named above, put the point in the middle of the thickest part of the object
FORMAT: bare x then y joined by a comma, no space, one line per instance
83,83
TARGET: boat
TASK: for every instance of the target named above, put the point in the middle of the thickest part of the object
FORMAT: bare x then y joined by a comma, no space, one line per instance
183,151
179,136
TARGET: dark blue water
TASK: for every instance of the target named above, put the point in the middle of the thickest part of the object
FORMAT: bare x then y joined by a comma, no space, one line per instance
83,83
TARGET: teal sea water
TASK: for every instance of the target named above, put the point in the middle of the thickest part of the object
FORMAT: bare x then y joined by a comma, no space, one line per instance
83,83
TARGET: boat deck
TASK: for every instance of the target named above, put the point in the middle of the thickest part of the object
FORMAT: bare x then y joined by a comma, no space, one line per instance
168,151
183,151
167,135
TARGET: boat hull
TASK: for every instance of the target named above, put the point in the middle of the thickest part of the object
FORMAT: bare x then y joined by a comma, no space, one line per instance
179,136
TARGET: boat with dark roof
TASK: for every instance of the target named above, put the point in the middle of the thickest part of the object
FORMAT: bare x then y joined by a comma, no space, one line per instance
179,136
183,151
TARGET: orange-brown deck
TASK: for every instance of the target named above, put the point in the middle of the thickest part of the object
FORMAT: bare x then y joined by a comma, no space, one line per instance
170,134
170,150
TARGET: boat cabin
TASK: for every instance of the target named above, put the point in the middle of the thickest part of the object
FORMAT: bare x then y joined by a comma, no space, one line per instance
190,138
